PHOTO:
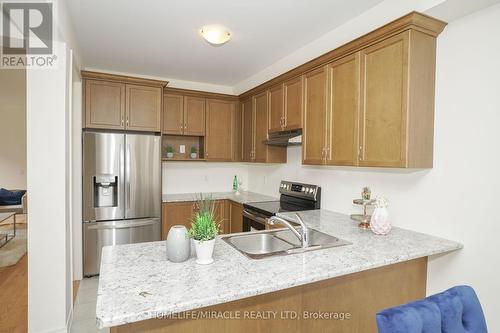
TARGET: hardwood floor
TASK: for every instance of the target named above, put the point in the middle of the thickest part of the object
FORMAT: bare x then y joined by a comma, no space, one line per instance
14,296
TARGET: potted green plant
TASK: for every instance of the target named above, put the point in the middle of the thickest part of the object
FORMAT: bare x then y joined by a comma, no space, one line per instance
204,229
194,152
170,151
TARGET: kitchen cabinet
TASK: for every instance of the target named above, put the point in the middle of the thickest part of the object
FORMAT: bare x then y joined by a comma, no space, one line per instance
143,108
194,116
315,116
174,213
255,125
173,114
183,115
285,106
104,104
238,133
220,124
236,217
292,112
248,125
182,213
342,126
396,124
118,102
276,108
261,117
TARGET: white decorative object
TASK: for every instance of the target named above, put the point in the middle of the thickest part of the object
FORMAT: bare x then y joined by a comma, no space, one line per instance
379,222
194,155
170,155
204,251
178,244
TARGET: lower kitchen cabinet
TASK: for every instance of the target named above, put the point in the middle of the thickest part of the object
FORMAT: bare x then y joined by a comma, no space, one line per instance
235,217
174,213
181,213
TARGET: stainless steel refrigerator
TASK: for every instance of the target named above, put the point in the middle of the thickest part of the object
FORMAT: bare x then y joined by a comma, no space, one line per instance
121,192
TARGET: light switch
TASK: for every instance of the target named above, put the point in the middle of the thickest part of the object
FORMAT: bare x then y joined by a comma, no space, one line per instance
182,149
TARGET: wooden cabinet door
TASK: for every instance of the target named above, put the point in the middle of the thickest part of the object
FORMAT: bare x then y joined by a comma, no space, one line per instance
194,116
261,121
342,129
293,104
220,215
173,114
383,120
276,116
143,108
104,104
236,217
173,213
315,116
237,133
219,127
248,130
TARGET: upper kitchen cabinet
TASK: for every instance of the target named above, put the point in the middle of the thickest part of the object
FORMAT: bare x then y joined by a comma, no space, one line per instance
315,116
119,102
292,112
276,109
104,104
173,114
396,124
248,125
220,124
342,126
285,106
143,108
194,116
183,115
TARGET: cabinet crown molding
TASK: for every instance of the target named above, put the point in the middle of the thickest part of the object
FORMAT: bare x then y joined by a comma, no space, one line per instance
413,20
122,79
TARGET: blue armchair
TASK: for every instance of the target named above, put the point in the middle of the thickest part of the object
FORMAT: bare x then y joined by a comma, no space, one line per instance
457,310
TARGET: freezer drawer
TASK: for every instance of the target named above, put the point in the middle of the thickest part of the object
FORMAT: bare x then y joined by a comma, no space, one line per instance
99,234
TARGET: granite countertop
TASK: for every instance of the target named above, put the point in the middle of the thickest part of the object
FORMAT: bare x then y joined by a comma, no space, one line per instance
242,198
129,271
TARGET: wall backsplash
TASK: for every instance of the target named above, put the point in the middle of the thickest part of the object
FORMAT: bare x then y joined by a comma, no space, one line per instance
185,177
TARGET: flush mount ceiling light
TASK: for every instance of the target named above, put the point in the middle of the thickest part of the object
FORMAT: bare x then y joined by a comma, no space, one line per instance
215,34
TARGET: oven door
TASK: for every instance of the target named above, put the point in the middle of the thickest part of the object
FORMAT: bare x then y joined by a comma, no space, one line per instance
253,221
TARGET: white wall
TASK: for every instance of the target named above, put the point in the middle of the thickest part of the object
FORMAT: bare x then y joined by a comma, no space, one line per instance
13,129
49,165
457,198
185,177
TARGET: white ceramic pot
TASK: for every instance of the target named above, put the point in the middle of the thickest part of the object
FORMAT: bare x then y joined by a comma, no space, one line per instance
178,244
170,155
194,155
379,222
204,251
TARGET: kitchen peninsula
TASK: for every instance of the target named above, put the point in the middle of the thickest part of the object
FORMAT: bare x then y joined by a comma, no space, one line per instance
139,289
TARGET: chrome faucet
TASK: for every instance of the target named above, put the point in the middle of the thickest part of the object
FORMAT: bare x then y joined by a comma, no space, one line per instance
302,236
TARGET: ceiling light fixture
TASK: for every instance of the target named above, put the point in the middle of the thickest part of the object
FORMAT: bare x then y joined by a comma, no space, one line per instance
215,34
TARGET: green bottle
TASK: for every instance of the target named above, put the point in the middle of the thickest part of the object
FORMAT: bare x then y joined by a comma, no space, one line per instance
235,183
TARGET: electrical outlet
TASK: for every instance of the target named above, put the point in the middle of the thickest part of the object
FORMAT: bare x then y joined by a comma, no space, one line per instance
182,149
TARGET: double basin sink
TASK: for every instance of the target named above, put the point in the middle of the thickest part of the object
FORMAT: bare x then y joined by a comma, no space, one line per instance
262,244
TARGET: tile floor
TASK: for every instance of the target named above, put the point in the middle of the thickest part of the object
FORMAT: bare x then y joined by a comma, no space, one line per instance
84,309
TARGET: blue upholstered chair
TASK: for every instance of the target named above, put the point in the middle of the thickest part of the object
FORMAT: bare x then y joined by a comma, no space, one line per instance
457,310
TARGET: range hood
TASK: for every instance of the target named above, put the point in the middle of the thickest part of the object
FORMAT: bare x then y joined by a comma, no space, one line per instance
285,138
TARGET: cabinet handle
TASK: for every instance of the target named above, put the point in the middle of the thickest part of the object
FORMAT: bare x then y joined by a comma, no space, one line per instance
360,153
127,120
185,126
122,120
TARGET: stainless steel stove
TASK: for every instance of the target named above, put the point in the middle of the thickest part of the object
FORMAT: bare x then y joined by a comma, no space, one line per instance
293,197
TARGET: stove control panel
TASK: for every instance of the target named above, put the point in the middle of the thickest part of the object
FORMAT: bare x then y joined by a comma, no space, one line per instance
301,190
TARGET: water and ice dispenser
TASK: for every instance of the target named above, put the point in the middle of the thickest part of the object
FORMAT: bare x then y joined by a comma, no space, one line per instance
105,191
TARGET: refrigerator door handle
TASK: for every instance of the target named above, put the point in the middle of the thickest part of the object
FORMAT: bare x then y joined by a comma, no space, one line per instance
123,224
127,178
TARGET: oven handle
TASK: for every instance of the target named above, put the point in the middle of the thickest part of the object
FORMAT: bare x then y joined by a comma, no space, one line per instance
254,217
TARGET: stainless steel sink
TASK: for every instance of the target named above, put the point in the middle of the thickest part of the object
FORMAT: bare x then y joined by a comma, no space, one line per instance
261,244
